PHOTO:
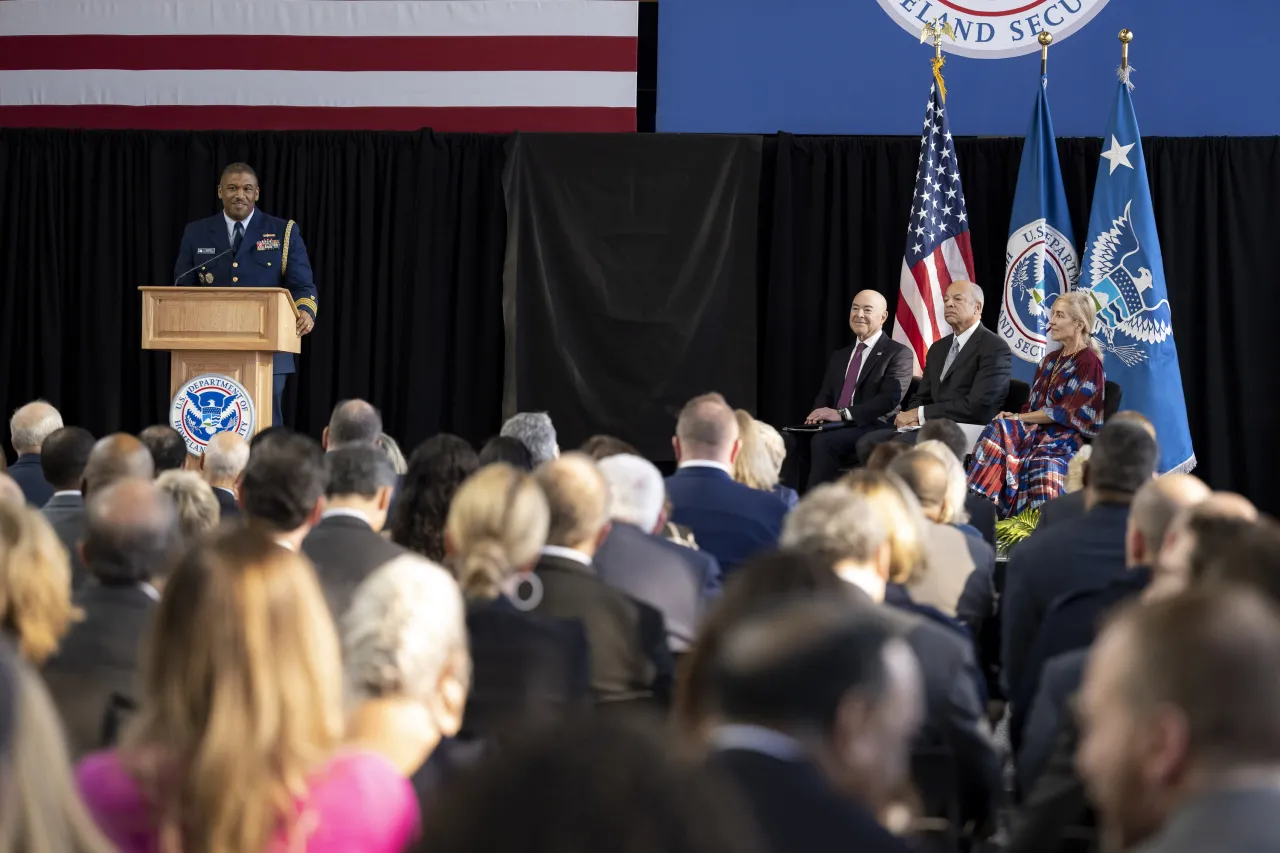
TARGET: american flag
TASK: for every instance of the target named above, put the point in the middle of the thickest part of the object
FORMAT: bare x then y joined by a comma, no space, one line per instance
938,250
457,65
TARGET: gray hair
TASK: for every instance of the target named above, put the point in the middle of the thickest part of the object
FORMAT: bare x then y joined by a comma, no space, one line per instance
354,422
835,523
706,426
32,424
198,509
957,483
405,622
636,490
535,431
225,458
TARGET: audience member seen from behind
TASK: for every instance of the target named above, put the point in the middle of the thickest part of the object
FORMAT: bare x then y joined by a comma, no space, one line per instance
1251,559
535,431
982,513
131,537
1195,536
395,455
678,581
63,459
627,640
436,470
282,489
510,451
404,648
11,492
42,809
168,450
35,583
1180,720
527,669
585,786
347,545
116,457
731,521
221,465
353,422
756,466
820,704
884,455
198,510
603,446
237,743
1072,504
28,428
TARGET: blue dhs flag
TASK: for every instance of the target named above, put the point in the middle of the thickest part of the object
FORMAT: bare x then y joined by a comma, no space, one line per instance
1124,271
1040,258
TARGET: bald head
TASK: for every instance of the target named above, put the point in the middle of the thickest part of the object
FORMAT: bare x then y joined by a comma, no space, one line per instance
224,459
707,429
114,458
11,492
926,476
962,306
131,531
1132,417
868,314
31,425
352,422
1154,507
578,498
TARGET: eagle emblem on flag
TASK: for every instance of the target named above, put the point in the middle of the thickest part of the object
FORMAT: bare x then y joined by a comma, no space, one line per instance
1120,293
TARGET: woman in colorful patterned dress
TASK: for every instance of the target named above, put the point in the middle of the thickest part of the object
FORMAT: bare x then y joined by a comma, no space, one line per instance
1021,460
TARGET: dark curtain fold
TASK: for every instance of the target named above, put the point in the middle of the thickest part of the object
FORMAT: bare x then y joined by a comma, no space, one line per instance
834,217
405,233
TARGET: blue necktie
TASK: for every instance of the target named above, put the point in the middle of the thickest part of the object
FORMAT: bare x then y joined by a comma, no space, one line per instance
237,238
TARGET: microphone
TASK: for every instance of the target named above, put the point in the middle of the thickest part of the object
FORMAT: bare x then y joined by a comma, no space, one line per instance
202,263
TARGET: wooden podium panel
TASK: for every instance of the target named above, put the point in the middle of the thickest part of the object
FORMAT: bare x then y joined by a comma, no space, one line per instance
253,370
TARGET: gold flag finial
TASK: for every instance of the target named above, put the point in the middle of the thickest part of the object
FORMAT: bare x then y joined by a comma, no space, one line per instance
1045,38
1125,69
935,30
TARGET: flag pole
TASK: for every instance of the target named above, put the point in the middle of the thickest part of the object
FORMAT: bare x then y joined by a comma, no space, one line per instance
1045,38
1125,69
935,30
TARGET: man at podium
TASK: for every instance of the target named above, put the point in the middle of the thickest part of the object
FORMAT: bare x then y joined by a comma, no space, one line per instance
246,247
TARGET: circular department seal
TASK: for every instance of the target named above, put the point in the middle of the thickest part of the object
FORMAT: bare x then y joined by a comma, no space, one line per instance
1041,265
994,29
208,405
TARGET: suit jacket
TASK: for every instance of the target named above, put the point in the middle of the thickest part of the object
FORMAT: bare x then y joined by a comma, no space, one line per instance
525,668
66,515
798,809
1056,815
99,657
976,386
629,658
982,515
731,521
1064,507
261,262
227,504
1231,820
680,582
345,551
1086,553
886,373
950,558
29,476
1050,709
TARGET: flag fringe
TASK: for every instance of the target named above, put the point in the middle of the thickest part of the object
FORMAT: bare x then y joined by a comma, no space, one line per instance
938,62
1123,74
1185,468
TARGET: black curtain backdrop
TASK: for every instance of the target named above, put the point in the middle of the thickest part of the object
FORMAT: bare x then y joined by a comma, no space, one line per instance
631,280
405,232
834,217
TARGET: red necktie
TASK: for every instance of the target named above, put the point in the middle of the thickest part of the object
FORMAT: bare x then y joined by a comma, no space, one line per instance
851,376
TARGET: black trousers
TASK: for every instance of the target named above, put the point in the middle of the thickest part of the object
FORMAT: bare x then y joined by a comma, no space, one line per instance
833,450
277,398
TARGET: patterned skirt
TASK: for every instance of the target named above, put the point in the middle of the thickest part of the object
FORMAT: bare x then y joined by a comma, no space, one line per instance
1019,466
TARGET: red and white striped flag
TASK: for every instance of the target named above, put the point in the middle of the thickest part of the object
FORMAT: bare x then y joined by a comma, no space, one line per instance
938,250
461,65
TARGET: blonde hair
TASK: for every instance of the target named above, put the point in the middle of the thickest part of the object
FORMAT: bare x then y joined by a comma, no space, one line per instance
497,523
754,465
957,482
198,509
42,810
241,696
35,583
1079,306
900,513
577,497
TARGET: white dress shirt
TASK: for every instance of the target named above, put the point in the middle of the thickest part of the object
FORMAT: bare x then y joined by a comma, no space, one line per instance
706,463
231,225
344,512
960,341
75,492
566,554
750,738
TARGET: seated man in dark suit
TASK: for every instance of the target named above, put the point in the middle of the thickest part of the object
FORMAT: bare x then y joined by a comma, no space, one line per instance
116,457
730,521
863,388
282,489
352,422
680,582
131,535
982,512
1082,554
820,703
346,546
629,658
63,459
966,374
221,466
28,428
168,450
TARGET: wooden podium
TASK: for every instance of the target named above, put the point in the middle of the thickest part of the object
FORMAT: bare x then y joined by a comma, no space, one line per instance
232,331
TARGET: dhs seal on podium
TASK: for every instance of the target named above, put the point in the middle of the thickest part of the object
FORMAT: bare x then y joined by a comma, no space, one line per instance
1041,265
208,405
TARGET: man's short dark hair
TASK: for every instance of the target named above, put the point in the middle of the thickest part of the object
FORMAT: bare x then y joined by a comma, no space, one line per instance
1124,458
1250,558
168,450
268,434
236,168
793,664
283,480
354,422
948,432
1212,537
504,448
358,470
63,457
131,532
603,446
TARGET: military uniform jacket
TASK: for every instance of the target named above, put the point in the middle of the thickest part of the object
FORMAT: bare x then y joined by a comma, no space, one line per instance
271,254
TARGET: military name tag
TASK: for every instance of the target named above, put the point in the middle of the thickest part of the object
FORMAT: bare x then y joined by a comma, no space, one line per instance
204,251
